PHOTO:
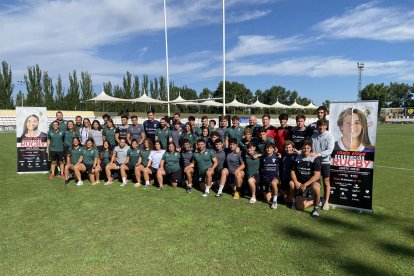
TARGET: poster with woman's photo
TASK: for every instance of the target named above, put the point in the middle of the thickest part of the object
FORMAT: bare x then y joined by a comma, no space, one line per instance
354,127
31,130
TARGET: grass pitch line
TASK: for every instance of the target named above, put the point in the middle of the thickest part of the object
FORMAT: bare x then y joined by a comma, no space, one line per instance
397,168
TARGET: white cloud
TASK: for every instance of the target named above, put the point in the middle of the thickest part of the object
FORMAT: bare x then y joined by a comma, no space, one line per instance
369,21
236,17
253,45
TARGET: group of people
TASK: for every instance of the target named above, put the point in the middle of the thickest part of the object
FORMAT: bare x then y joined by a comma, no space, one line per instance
280,164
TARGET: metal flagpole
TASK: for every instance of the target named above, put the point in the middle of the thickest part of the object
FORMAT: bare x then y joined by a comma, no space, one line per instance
224,59
166,58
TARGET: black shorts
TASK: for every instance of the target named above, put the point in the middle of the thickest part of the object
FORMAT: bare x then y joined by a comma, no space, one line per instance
201,176
217,174
284,185
175,176
153,170
56,155
66,150
89,168
231,178
266,185
256,177
326,170
307,193
131,167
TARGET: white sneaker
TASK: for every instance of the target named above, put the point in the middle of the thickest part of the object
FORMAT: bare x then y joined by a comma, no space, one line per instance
137,185
325,206
252,200
205,194
274,205
80,183
123,184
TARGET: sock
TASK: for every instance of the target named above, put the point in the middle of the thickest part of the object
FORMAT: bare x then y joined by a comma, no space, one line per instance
238,189
207,190
147,182
220,189
123,179
275,198
316,208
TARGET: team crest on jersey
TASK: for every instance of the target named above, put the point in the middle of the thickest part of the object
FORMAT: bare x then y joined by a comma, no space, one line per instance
274,160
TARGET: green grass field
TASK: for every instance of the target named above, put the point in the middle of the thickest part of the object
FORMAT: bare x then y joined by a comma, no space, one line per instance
47,229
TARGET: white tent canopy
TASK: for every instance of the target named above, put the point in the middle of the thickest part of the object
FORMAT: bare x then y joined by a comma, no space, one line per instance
211,103
296,105
145,99
277,104
236,103
258,104
311,106
103,97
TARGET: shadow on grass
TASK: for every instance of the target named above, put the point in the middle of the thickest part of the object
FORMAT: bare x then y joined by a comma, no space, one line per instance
306,235
359,268
397,249
333,221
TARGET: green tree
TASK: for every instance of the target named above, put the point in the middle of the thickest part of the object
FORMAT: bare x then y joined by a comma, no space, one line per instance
145,82
48,91
151,89
73,96
33,81
399,94
271,95
205,94
156,89
60,95
135,87
234,89
107,88
86,87
326,104
6,86
20,98
375,92
163,88
127,85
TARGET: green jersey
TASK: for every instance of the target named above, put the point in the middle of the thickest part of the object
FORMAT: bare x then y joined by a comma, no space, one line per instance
89,155
163,135
144,157
262,144
106,156
69,135
62,126
109,135
243,144
75,154
204,160
189,137
252,165
56,140
235,132
133,155
171,161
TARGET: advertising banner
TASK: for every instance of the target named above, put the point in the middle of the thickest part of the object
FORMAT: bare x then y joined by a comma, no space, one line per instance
354,127
31,130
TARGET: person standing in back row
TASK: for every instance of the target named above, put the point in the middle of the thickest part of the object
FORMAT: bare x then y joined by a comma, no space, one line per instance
150,126
312,128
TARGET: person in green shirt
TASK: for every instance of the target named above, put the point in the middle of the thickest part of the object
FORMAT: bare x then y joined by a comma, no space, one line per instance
187,134
143,162
55,149
170,166
206,162
69,134
235,131
252,161
105,156
72,158
131,163
162,133
61,122
109,133
88,163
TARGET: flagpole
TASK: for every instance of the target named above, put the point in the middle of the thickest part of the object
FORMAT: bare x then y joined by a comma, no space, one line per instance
166,58
224,59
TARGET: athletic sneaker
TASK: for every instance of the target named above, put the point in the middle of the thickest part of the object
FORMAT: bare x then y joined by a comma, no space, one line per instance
252,200
326,206
137,185
293,206
96,183
52,176
80,183
147,186
109,182
236,195
205,194
315,213
274,205
123,184
62,175
66,183
189,189
160,188
321,202
219,194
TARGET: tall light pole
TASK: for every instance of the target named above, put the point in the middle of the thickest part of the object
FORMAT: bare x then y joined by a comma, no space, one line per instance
21,82
224,59
166,58
360,67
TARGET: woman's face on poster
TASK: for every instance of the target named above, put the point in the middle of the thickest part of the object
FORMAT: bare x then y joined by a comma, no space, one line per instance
352,126
32,123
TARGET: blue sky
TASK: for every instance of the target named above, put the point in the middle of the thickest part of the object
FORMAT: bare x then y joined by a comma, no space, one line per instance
309,46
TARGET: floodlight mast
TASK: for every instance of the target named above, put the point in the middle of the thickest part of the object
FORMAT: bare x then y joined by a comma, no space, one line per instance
224,59
361,68
166,58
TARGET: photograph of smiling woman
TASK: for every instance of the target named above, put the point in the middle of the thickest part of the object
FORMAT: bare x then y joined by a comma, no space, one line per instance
31,128
354,128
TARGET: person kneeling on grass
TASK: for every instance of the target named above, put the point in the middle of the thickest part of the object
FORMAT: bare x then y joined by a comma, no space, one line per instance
270,174
90,160
252,162
305,174
119,157
234,170
72,158
170,166
206,162
153,164
131,164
